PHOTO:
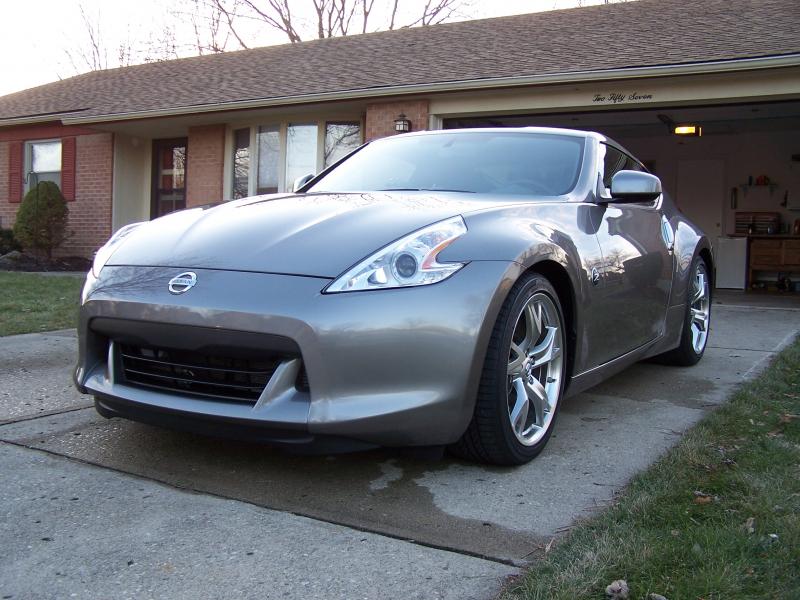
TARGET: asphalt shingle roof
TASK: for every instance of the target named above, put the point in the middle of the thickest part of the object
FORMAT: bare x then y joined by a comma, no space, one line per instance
616,36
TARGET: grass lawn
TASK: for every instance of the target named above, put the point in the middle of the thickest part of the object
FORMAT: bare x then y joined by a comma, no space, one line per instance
31,303
718,517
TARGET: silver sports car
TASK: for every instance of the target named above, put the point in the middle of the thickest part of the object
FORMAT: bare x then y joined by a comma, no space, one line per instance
444,288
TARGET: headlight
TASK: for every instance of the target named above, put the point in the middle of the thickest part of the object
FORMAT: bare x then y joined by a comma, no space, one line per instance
101,256
407,262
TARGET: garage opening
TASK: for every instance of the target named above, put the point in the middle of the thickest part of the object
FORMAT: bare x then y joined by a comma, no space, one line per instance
739,181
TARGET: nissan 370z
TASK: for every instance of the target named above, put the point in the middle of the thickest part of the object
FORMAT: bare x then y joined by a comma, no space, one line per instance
437,288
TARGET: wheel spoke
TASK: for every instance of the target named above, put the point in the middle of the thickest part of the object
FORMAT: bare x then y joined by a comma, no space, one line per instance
515,363
700,318
533,324
700,290
538,398
546,350
519,414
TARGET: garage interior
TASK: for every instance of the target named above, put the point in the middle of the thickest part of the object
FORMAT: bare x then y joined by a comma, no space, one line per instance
739,181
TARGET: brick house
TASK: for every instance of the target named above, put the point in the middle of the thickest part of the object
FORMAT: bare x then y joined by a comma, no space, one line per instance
134,143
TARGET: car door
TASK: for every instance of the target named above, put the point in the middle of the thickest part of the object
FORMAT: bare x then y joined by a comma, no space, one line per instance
636,273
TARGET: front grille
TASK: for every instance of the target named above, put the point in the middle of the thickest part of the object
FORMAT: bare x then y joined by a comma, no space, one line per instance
239,379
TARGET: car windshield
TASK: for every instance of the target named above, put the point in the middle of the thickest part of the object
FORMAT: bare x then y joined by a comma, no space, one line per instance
485,162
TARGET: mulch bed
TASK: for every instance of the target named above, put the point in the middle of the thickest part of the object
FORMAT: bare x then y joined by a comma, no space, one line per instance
22,261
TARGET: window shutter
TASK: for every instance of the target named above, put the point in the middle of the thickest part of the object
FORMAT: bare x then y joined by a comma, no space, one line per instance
15,171
68,168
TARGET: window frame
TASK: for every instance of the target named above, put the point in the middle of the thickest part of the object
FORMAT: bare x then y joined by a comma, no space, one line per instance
622,161
282,125
27,151
629,160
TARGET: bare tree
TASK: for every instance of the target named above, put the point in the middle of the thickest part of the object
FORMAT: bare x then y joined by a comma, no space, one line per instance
329,18
91,54
210,27
192,27
160,46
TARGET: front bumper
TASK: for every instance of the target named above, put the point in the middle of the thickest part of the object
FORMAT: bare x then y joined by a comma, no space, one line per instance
387,367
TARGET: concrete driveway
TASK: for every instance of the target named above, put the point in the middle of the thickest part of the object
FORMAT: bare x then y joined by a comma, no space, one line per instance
99,508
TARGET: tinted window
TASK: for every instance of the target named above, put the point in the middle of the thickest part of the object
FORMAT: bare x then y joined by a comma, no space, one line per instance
613,162
480,162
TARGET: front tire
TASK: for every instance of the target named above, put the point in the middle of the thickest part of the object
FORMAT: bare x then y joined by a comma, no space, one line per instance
523,378
697,319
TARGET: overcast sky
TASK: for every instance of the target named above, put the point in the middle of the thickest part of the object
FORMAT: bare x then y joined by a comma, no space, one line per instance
37,35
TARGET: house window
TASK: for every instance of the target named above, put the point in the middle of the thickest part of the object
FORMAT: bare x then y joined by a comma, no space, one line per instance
280,153
340,140
269,154
241,163
301,152
42,162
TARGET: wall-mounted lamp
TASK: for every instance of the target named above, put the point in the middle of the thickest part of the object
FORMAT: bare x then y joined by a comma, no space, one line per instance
688,130
402,124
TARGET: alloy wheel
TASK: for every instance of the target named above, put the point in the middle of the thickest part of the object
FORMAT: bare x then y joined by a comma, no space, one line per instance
535,369
700,308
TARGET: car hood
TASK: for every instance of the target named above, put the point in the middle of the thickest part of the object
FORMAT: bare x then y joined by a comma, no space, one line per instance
312,234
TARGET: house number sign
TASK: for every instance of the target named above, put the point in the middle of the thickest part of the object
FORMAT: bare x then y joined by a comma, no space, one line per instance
620,97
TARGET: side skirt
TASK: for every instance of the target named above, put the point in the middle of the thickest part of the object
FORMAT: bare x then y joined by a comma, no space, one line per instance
669,340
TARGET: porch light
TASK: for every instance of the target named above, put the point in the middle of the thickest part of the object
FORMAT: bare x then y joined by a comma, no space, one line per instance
402,124
688,130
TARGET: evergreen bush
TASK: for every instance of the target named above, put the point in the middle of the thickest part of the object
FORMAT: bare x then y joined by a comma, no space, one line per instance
41,223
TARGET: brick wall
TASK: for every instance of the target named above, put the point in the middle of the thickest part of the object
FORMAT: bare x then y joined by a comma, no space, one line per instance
381,116
7,210
90,212
205,164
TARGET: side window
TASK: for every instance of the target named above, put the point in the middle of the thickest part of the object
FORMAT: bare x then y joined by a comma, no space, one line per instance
614,161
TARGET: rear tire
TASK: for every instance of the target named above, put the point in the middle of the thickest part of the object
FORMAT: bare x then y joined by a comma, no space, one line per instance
523,378
697,319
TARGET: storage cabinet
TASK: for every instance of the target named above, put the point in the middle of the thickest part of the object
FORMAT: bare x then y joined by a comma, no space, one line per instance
776,254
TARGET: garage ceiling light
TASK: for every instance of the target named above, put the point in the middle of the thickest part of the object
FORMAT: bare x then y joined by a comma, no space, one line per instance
690,130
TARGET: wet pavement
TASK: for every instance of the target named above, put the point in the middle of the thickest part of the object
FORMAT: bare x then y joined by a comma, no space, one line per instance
450,508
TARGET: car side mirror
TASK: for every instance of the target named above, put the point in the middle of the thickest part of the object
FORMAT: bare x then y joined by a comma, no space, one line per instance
634,186
301,181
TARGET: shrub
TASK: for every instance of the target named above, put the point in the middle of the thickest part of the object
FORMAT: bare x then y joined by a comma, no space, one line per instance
42,219
8,243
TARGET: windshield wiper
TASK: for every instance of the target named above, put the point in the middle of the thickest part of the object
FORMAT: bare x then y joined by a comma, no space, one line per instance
424,190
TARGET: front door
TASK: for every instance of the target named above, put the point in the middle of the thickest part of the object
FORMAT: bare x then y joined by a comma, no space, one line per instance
169,177
700,194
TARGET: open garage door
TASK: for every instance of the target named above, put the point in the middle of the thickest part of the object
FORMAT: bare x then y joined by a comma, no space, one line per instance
744,168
